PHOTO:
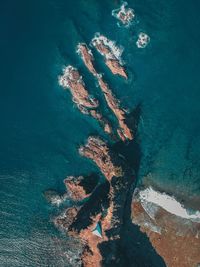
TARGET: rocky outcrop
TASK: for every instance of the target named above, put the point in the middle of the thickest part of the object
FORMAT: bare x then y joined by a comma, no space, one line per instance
81,187
176,239
143,40
97,203
124,14
104,207
87,57
124,131
111,54
72,79
98,151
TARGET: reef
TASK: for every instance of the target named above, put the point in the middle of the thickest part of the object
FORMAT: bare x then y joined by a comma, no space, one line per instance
97,223
143,40
175,238
111,54
124,14
124,131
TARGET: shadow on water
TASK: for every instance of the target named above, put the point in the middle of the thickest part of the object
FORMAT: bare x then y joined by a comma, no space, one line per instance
135,249
127,245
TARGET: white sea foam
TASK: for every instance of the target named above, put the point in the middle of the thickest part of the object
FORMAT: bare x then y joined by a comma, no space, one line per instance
127,13
115,51
54,198
168,203
64,79
78,50
143,40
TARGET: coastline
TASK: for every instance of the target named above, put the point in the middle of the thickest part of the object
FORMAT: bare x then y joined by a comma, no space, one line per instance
175,234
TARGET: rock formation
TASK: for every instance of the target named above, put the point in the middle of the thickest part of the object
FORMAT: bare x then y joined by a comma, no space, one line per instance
80,187
124,131
99,215
105,205
143,40
124,14
111,54
72,79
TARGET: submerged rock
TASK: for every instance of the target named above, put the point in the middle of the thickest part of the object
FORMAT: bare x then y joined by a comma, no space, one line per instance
143,40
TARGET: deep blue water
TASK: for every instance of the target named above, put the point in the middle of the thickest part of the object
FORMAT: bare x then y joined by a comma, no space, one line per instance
41,129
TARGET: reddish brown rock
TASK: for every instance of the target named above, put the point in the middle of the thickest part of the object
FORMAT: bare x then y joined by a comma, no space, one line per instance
116,68
98,151
105,206
175,239
124,14
102,120
72,79
66,219
81,187
111,53
87,57
77,192
124,132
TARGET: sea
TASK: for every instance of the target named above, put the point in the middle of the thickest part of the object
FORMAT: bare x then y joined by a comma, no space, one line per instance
41,129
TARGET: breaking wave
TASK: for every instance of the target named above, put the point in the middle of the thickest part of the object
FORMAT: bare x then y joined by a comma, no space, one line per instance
115,51
124,14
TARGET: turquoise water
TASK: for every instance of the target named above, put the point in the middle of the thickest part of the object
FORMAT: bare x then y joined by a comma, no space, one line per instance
41,129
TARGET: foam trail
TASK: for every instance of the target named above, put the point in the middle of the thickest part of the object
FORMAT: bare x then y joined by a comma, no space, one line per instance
168,203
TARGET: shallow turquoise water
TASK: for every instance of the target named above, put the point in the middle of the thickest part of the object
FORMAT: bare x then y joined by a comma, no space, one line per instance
41,129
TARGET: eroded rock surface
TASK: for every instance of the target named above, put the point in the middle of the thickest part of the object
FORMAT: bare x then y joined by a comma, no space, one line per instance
105,206
111,54
81,187
176,239
124,131
72,80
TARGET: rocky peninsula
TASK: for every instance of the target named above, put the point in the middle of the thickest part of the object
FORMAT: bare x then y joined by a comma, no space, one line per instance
97,223
124,131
